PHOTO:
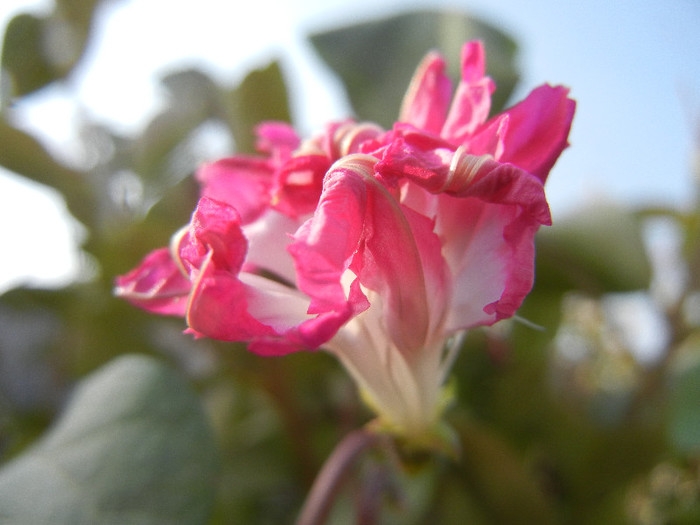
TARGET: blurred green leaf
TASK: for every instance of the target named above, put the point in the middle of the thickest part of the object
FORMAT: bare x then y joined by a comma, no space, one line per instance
502,483
261,96
132,447
684,398
375,60
691,248
192,99
79,13
599,249
24,155
23,55
39,50
179,138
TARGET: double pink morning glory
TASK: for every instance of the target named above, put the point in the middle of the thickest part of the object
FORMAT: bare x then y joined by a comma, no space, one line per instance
379,246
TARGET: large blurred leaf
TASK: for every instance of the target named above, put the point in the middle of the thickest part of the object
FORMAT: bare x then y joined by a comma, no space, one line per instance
23,154
684,399
132,447
375,60
599,249
192,99
505,488
261,96
39,50
23,55
197,124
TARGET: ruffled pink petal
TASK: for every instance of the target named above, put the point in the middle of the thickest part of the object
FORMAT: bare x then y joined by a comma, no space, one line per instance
490,250
538,130
276,138
428,97
473,62
324,246
491,181
214,254
229,304
241,182
298,185
286,311
435,270
272,318
417,156
359,225
156,285
464,175
215,235
472,101
490,139
486,214
218,305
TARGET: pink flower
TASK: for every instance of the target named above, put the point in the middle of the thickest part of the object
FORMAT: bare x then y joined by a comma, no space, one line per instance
379,246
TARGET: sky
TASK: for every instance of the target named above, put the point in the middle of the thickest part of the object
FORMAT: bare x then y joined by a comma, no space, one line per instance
632,66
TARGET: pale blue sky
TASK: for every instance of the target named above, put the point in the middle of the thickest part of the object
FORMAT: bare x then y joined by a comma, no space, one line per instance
633,66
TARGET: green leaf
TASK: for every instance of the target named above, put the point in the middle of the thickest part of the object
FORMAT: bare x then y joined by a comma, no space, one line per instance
132,447
40,50
161,154
375,60
24,155
79,13
490,468
684,398
23,57
261,96
599,249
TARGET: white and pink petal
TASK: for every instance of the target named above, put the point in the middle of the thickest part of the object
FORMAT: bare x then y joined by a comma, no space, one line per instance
360,226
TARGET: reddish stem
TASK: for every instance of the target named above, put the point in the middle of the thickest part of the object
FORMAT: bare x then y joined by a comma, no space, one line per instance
332,474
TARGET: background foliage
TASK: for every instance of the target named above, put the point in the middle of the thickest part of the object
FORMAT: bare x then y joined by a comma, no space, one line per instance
111,415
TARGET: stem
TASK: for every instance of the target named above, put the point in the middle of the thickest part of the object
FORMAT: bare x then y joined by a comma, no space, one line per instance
332,474
370,494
